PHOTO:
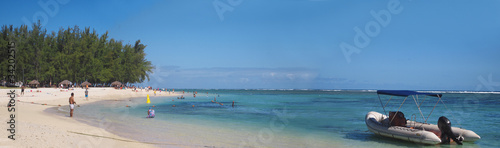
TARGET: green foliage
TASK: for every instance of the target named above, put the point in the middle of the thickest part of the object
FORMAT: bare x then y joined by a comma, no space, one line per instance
72,54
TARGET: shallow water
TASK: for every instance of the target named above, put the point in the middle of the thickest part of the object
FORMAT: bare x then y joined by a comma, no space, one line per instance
284,118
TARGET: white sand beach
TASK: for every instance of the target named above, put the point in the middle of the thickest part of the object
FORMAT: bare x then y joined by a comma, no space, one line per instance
36,128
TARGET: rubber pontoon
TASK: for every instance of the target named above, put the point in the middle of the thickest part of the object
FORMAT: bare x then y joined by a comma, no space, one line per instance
417,132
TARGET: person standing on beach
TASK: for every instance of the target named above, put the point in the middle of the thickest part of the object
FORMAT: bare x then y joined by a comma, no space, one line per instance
87,94
22,90
71,104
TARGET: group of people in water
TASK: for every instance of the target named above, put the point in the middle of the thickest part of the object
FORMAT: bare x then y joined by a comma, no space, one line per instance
151,112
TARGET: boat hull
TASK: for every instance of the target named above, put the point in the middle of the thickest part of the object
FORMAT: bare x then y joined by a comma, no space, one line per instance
420,133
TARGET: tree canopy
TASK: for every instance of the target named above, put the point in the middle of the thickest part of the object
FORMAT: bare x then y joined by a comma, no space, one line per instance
72,54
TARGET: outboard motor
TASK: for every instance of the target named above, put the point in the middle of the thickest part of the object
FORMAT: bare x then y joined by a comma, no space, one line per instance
445,127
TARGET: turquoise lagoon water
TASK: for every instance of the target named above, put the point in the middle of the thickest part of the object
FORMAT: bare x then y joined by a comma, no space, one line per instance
284,118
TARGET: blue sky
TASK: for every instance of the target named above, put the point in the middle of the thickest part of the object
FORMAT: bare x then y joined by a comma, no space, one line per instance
295,44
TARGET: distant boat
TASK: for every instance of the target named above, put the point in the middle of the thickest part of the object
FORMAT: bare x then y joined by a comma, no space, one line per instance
396,126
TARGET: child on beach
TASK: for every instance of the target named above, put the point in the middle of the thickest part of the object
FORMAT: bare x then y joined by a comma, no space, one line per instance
151,113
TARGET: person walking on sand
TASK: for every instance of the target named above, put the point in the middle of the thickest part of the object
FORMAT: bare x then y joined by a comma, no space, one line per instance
71,104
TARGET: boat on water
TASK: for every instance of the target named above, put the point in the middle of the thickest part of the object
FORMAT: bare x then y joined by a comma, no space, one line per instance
395,125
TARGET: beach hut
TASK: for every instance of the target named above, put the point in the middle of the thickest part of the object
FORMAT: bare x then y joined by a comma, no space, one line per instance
116,84
66,83
34,83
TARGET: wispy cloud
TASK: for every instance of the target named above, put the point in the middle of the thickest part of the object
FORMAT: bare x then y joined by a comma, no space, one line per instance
288,78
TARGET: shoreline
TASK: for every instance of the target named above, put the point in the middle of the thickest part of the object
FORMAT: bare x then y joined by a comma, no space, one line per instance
178,130
35,127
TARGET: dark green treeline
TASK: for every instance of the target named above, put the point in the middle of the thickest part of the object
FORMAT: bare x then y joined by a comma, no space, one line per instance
72,54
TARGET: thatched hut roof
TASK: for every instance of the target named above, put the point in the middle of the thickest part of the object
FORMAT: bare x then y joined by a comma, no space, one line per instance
34,82
86,83
116,83
65,82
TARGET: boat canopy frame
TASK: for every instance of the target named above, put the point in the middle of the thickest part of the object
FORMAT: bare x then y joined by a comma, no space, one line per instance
414,94
406,93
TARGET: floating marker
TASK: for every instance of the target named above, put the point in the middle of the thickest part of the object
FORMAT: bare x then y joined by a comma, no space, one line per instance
148,99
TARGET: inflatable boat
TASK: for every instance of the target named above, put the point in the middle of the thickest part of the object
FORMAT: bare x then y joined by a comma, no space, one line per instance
412,131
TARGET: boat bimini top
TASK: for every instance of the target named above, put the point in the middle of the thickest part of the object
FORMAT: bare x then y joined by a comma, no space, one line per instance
406,93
